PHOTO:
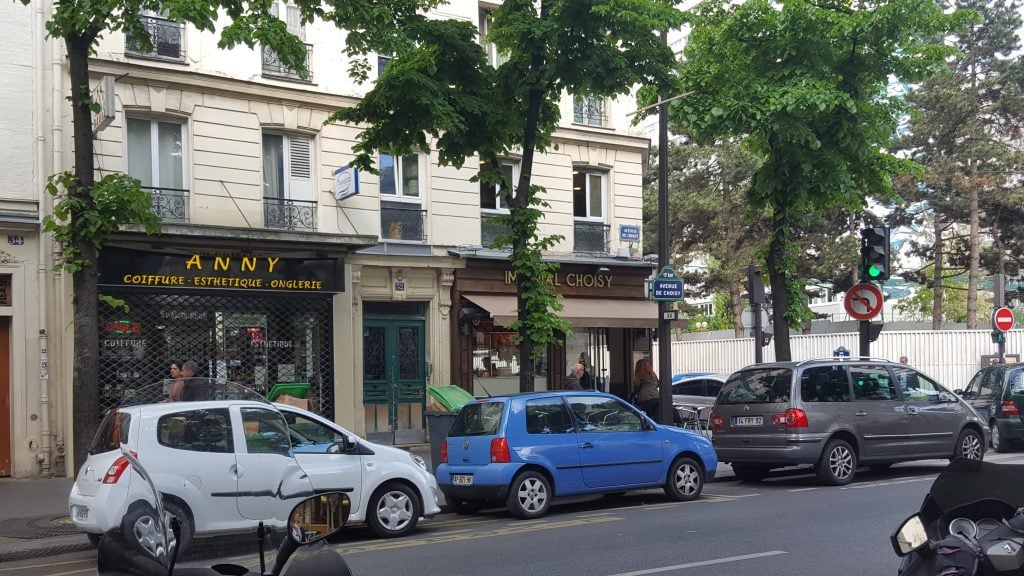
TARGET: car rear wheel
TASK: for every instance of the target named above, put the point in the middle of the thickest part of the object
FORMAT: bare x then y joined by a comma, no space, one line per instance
837,464
751,474
394,510
530,496
685,480
998,444
969,445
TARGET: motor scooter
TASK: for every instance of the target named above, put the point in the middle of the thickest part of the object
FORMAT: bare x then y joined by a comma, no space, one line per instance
971,523
145,543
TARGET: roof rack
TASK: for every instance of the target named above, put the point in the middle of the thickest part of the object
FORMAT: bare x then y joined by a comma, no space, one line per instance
844,359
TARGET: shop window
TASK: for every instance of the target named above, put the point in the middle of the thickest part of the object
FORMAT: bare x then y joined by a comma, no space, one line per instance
156,157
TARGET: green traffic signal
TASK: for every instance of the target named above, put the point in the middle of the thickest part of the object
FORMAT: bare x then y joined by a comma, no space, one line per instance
874,272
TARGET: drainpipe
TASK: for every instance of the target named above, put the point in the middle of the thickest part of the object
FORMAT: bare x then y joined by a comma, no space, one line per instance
59,288
44,456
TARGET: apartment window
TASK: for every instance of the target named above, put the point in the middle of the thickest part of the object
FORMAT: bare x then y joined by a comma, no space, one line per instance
490,197
155,154
495,58
589,111
272,65
401,210
588,205
288,194
166,38
400,177
382,63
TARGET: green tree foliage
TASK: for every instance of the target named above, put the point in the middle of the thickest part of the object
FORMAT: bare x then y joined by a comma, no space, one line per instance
966,131
86,210
918,307
439,92
803,84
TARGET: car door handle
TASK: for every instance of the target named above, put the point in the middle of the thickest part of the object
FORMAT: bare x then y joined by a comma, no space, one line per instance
861,413
586,445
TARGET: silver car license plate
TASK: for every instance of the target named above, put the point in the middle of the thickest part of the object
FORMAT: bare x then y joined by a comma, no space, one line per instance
81,513
462,479
747,420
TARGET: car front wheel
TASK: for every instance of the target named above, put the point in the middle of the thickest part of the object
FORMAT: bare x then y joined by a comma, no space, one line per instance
685,480
394,510
837,464
969,445
530,496
998,444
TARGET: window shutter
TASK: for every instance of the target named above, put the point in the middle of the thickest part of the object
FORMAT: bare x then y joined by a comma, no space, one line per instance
300,168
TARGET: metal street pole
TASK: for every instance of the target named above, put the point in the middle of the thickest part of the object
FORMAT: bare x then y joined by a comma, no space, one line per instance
755,308
664,326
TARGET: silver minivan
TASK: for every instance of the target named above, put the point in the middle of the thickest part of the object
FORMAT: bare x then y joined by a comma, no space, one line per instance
836,414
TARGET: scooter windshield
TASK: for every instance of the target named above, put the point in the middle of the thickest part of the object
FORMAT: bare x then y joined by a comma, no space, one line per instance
190,390
965,481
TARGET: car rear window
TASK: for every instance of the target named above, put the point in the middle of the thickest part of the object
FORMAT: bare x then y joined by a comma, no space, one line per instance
196,430
112,432
764,386
478,419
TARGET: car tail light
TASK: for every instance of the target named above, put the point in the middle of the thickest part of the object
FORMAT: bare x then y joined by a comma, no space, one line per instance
444,452
499,450
716,422
1010,408
791,418
116,469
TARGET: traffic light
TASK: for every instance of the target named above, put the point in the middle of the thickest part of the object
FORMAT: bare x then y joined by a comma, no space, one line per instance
874,254
754,285
998,337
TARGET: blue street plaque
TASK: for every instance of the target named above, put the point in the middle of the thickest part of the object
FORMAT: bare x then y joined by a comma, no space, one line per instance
629,233
667,287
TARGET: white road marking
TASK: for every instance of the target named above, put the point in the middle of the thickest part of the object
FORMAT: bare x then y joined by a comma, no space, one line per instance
802,489
731,495
701,563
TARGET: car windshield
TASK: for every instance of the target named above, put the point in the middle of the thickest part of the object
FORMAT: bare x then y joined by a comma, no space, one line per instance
189,390
762,386
478,419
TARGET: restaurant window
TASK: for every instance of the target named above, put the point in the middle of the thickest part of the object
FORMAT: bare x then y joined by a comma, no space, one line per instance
496,362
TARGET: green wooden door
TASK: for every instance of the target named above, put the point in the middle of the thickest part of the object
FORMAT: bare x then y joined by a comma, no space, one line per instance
394,379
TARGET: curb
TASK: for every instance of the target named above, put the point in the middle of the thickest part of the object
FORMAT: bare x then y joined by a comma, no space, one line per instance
30,553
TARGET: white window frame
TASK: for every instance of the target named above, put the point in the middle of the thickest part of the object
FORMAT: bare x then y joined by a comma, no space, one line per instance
286,165
155,149
380,69
587,172
498,199
398,196
286,11
494,58
604,111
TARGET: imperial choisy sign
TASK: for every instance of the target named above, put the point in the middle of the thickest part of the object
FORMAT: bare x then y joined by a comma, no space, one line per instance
136,268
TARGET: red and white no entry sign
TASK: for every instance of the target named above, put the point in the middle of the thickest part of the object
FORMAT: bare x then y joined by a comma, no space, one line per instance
1002,319
864,301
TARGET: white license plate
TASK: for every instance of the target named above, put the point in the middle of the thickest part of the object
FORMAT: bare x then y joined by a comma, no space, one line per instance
462,479
747,420
81,513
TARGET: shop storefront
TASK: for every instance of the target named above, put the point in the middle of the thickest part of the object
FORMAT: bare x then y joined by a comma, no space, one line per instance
604,299
259,320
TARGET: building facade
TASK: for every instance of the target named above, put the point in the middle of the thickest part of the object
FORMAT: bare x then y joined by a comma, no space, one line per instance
274,265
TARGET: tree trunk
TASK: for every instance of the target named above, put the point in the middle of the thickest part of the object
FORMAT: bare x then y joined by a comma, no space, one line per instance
780,295
975,246
85,390
937,277
736,298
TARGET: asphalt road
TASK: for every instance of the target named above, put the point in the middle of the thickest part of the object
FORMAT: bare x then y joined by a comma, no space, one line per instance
784,526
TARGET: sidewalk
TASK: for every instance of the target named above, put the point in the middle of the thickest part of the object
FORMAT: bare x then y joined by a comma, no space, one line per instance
34,519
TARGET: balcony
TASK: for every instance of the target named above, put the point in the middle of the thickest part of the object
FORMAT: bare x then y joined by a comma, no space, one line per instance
590,237
402,221
169,204
588,111
165,37
274,68
288,214
491,229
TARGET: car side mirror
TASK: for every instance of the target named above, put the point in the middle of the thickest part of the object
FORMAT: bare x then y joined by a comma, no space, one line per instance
958,392
910,536
348,443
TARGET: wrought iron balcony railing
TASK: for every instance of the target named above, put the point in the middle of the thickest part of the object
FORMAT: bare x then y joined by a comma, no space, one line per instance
402,221
166,37
288,214
169,204
591,237
589,111
491,229
274,68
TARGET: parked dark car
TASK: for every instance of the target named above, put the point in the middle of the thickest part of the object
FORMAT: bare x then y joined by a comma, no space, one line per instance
996,393
835,414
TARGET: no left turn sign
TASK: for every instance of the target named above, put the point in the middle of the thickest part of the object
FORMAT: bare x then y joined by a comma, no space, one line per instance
864,301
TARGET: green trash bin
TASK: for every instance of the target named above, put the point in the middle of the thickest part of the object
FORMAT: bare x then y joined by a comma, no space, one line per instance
452,398
295,389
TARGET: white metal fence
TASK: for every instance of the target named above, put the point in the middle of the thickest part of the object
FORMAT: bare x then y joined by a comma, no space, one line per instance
950,356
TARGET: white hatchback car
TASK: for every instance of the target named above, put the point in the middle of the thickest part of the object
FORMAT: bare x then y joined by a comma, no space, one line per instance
224,465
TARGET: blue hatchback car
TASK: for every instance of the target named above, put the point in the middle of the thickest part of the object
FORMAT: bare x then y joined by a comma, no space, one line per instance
526,449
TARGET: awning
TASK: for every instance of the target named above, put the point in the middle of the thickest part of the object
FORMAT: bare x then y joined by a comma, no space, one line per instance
584,312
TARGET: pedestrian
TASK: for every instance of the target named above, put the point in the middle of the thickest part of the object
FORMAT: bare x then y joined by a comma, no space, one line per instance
586,379
177,383
194,388
903,360
646,382
572,380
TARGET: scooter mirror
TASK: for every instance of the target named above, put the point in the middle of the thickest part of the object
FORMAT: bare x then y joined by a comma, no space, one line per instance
318,517
910,536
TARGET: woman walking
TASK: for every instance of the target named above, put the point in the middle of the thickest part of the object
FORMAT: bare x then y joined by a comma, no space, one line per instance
647,395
